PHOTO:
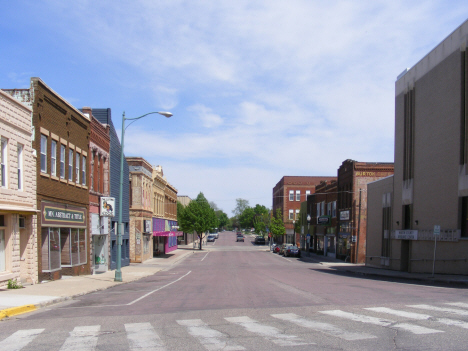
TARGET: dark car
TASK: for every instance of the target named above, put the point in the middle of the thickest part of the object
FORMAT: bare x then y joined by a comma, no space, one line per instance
260,240
292,251
240,237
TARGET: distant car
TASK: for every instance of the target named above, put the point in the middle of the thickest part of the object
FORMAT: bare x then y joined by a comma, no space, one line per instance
210,238
259,240
239,237
216,235
292,251
283,248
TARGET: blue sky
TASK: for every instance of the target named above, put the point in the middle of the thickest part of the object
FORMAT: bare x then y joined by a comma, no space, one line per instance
258,89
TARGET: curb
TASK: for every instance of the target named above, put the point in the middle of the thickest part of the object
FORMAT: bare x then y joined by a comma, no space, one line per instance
13,311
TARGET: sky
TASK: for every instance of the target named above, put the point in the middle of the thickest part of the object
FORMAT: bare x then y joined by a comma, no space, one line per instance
259,89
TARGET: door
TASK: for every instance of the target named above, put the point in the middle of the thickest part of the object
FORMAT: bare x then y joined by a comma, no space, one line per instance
2,251
404,258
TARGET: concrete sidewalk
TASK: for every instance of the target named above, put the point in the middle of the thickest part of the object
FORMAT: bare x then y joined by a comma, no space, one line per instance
362,270
31,297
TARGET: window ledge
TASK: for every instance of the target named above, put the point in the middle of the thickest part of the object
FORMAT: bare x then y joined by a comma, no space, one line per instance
45,175
54,177
78,185
71,183
63,180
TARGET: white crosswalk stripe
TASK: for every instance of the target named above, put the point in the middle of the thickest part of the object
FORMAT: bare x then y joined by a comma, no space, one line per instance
210,338
142,337
419,316
82,339
458,304
19,339
325,328
415,329
270,333
441,309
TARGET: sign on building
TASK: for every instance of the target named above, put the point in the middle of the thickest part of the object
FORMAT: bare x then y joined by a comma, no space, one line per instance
324,220
406,234
344,215
107,206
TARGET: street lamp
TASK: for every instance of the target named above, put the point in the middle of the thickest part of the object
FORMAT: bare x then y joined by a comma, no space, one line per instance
294,231
118,271
308,232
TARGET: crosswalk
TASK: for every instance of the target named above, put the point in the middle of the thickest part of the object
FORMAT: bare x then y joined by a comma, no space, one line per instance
273,330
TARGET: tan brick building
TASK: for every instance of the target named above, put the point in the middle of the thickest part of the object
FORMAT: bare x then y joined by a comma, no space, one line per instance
141,209
61,141
18,231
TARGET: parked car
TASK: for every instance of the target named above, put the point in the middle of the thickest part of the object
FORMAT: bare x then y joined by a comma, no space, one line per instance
272,247
292,251
239,237
216,235
283,248
277,249
210,238
259,240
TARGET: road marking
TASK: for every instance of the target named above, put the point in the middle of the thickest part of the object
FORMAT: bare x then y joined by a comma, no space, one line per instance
441,309
454,322
205,256
142,337
458,304
162,287
210,338
19,339
325,328
359,318
399,313
270,333
415,329
82,339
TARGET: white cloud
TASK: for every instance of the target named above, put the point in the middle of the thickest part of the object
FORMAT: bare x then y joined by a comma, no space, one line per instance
207,118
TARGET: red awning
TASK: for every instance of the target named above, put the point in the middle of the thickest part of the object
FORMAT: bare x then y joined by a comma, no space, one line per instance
170,233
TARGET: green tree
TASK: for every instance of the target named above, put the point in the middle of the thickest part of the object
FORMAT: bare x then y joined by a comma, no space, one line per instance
223,219
199,217
241,205
246,218
277,226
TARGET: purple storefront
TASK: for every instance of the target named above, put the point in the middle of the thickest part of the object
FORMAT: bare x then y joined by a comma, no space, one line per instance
164,236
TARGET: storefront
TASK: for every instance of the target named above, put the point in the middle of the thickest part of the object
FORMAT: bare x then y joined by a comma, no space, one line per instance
64,244
165,235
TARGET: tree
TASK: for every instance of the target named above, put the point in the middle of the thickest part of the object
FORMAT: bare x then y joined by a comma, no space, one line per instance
277,226
246,218
214,206
199,217
241,205
223,219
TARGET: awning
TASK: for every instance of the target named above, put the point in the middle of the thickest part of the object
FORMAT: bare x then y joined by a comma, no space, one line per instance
18,209
169,233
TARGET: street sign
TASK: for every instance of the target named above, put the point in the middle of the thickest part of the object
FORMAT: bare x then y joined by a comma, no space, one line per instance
437,230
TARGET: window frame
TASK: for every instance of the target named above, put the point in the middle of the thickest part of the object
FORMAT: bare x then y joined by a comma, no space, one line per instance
291,195
291,214
19,155
77,168
43,152
53,157
83,170
4,162
298,195
63,153
70,164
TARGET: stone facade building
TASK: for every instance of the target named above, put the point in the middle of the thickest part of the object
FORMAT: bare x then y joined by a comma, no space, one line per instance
18,226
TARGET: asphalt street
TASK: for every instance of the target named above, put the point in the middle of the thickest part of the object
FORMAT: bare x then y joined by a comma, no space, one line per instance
239,296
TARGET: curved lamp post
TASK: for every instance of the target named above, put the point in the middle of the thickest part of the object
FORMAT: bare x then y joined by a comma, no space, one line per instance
118,271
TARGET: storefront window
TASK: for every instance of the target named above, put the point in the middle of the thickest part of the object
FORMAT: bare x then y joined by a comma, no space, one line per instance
51,259
65,241
75,246
82,246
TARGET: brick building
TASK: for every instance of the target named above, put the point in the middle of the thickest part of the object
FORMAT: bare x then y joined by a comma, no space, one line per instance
288,194
61,141
104,115
99,148
141,209
321,206
18,227
352,182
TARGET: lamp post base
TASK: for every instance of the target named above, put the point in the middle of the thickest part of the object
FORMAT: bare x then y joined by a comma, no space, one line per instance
118,276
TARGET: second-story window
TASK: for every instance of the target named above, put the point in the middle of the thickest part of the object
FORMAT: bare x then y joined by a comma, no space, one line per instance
291,195
298,195
43,154
4,148
77,168
53,158
70,165
83,170
20,166
62,161
291,214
